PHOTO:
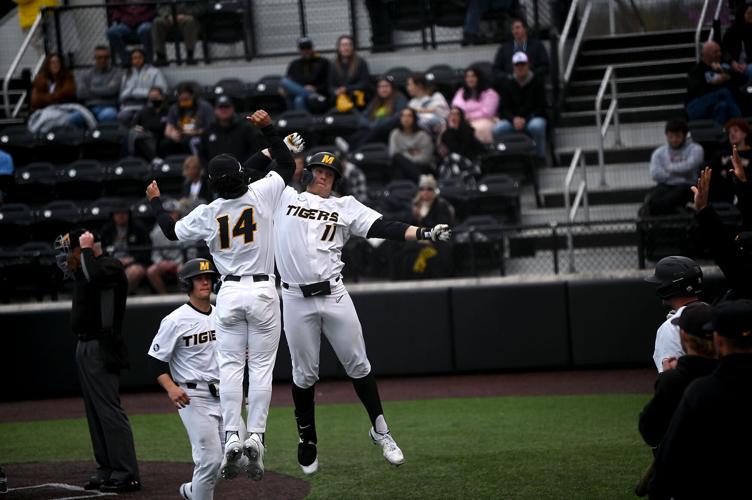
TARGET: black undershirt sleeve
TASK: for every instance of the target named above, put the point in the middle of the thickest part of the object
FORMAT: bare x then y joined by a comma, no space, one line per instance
158,367
285,166
166,224
388,230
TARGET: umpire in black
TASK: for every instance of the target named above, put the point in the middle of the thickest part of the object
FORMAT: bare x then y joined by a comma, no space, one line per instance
100,288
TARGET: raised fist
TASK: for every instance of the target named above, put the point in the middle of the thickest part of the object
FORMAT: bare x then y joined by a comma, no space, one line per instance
295,143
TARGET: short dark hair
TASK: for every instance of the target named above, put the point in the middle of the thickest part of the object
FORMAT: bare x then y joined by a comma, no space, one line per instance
186,87
518,20
420,79
677,125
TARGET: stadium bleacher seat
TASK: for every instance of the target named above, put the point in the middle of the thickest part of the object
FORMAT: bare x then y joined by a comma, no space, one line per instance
35,183
127,177
335,124
18,142
141,211
399,75
234,88
265,95
56,217
444,79
301,122
373,159
708,134
104,142
498,194
456,192
29,271
60,145
397,199
97,213
169,174
81,180
512,154
478,245
227,22
15,223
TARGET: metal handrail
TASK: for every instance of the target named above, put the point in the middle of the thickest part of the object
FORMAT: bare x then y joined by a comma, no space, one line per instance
611,113
701,23
716,16
14,66
581,197
566,69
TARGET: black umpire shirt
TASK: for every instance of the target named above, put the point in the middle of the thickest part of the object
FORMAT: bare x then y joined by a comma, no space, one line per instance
669,388
99,294
238,138
706,451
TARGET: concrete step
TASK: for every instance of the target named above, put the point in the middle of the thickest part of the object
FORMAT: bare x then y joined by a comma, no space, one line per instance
629,99
631,84
598,213
598,56
611,155
630,69
634,40
648,134
626,115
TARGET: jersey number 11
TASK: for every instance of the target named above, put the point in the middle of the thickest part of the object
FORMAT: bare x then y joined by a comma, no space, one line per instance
244,227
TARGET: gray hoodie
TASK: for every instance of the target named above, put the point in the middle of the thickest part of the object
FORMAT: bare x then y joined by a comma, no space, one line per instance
99,88
135,86
677,167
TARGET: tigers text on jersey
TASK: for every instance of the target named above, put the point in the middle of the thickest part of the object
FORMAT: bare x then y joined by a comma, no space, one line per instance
238,231
311,232
186,340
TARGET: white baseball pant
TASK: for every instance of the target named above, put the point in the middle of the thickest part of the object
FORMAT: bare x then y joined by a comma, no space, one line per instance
202,419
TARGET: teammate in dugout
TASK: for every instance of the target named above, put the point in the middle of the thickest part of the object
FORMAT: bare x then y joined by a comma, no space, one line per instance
311,229
183,361
237,227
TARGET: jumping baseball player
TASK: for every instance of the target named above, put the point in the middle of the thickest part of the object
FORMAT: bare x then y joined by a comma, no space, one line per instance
311,229
237,227
183,361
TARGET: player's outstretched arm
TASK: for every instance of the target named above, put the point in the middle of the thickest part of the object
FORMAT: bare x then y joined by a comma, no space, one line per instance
395,230
278,149
166,224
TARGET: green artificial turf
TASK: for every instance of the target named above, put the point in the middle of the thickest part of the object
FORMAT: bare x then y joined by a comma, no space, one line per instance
557,447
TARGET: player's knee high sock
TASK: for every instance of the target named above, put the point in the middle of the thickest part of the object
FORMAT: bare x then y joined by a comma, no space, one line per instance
368,392
305,412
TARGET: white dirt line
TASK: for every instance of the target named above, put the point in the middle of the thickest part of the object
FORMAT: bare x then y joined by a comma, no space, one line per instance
63,486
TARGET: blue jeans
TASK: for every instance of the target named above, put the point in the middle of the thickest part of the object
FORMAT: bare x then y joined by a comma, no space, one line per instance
297,94
476,9
535,127
119,34
102,113
718,105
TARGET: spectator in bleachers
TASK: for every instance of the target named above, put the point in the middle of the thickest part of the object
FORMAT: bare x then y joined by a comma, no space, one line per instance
674,167
479,102
380,116
186,121
459,137
129,19
722,189
138,80
196,186
428,207
99,89
187,17
523,105
431,106
709,92
503,66
349,77
307,79
148,125
229,134
475,10
54,84
410,148
166,255
6,173
127,240
353,181
737,42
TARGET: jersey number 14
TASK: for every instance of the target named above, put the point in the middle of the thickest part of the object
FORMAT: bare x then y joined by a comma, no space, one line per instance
244,227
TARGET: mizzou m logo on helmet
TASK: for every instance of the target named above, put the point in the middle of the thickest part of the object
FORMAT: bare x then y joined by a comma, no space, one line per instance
203,265
328,159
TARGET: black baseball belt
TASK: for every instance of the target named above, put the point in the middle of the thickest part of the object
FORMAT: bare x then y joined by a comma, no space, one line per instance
213,388
314,289
256,277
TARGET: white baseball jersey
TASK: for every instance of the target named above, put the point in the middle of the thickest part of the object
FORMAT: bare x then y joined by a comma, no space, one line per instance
238,231
311,231
668,340
186,340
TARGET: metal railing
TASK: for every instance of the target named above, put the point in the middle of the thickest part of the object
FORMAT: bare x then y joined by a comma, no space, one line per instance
566,69
701,24
581,197
12,113
603,124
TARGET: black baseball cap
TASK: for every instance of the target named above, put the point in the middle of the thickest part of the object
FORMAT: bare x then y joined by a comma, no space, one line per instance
693,319
305,42
732,319
223,164
223,102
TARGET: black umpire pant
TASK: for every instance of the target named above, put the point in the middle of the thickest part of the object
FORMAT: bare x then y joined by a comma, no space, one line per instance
111,435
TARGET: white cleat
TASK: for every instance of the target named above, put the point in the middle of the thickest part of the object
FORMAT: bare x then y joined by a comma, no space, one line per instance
186,491
234,461
253,449
307,453
392,453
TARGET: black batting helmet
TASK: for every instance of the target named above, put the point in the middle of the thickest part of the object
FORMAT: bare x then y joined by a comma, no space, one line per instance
193,268
226,176
326,160
677,276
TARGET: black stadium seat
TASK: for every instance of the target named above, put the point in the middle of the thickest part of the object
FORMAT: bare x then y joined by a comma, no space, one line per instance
81,180
335,124
398,76
98,212
234,88
478,245
169,174
397,199
35,183
105,142
228,22
57,217
512,154
265,95
15,223
498,195
444,79
127,177
29,271
302,122
60,145
373,159
18,142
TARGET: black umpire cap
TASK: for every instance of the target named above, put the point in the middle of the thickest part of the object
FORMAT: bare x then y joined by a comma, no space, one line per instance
732,319
693,319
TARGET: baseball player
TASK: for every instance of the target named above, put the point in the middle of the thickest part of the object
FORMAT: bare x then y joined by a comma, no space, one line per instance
237,227
183,361
679,281
311,229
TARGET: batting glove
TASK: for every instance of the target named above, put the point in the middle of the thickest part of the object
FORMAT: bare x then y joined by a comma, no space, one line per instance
441,232
295,143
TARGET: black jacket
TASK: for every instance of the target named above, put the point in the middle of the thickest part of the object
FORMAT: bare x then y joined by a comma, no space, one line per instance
669,388
527,101
340,77
99,294
699,81
239,139
536,53
722,181
736,38
462,141
203,193
152,120
138,236
705,453
313,71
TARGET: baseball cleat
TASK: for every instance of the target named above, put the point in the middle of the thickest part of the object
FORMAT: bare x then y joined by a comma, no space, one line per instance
392,453
234,460
186,491
253,449
308,457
